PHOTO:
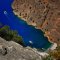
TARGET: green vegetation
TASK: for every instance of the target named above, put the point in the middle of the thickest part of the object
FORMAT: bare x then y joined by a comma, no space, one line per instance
48,58
9,35
54,54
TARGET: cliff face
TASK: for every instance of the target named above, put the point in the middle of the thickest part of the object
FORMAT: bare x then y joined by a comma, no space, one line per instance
13,51
43,14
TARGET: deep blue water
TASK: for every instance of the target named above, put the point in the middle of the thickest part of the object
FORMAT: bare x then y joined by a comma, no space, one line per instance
28,33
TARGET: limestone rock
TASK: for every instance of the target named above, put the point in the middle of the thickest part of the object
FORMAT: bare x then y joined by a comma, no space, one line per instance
10,50
43,14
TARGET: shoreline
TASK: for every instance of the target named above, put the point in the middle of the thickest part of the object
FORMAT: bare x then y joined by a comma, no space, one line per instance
45,35
45,19
33,24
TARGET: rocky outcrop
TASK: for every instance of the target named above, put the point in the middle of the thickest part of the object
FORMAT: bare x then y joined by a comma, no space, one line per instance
13,51
43,14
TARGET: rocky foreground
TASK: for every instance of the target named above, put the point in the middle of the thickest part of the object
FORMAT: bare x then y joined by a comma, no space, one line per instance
13,51
43,14
10,50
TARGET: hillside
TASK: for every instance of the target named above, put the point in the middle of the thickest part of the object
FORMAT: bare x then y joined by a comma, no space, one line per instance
43,14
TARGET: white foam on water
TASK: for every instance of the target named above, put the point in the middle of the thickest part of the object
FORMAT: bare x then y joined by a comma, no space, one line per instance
53,46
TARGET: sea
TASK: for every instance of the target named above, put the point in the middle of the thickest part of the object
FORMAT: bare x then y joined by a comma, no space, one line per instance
31,36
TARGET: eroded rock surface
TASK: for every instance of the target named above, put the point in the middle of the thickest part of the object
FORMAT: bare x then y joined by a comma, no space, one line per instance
43,14
13,51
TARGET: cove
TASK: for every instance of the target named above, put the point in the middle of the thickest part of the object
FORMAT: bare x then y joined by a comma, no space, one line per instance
32,37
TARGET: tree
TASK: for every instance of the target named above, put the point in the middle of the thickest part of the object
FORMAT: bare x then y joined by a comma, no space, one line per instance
9,35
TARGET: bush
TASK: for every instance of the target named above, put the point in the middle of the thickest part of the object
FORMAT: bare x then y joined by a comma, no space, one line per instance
9,35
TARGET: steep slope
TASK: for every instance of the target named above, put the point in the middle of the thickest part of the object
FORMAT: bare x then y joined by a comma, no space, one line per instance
10,50
43,14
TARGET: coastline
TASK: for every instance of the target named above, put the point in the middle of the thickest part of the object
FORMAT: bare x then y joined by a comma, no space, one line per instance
34,26
37,28
46,19
29,23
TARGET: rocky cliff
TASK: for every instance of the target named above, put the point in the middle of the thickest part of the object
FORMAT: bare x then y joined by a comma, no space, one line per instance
43,14
10,50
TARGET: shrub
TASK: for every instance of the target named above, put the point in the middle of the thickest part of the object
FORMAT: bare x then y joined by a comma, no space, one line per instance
9,35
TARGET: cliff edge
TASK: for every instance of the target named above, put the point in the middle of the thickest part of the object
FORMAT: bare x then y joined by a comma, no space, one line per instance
43,14
10,50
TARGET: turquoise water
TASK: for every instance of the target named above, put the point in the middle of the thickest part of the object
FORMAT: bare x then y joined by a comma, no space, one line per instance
32,37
